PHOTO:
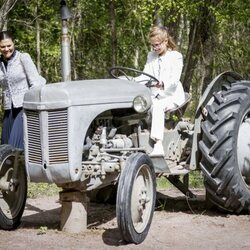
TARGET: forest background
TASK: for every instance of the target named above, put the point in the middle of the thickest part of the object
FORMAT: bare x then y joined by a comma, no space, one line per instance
212,35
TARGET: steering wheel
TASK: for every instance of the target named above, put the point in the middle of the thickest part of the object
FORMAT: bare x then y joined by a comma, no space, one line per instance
119,72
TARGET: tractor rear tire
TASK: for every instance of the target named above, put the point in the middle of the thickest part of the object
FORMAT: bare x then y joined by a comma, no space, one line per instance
225,148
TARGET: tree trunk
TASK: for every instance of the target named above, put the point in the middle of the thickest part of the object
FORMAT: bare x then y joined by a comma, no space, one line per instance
201,46
113,33
191,56
5,9
38,45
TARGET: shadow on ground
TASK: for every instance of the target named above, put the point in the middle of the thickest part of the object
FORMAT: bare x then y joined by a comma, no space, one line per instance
174,200
35,216
102,216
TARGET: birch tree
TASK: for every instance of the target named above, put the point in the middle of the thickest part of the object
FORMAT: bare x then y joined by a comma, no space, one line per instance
7,6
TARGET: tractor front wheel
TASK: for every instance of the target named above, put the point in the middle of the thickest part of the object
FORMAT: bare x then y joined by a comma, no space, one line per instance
13,190
136,198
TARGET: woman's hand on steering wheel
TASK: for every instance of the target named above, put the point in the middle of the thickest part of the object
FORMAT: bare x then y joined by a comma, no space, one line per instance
151,82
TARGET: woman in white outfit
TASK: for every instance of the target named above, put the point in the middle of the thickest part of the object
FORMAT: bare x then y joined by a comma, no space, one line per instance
165,64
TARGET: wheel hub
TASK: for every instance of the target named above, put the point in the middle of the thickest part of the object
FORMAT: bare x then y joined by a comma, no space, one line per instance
243,148
143,200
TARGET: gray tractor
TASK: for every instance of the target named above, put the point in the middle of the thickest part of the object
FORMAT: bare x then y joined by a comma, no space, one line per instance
93,137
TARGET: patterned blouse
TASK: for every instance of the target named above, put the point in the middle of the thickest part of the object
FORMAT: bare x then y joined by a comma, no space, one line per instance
16,77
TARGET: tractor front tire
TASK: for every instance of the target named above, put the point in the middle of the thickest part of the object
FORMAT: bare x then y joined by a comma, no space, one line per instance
12,201
136,196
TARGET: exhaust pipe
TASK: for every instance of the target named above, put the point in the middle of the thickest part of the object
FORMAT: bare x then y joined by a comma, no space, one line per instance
65,42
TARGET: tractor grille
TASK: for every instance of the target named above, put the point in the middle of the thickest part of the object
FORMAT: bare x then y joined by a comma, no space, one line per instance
58,136
34,139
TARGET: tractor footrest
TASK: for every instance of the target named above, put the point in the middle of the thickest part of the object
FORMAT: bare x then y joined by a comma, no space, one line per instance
160,165
178,170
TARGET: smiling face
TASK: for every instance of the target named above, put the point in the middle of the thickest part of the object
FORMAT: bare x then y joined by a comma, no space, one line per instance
6,48
159,40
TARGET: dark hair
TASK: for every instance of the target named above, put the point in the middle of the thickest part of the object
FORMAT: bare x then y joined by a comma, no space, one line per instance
6,35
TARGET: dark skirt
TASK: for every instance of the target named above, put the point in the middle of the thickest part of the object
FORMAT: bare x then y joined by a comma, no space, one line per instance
12,131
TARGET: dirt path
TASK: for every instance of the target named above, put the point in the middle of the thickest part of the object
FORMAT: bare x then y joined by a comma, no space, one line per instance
184,225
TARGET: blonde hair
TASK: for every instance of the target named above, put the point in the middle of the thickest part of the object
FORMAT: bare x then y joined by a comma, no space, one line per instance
162,34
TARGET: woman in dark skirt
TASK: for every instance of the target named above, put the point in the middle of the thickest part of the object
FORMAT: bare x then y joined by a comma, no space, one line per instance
12,131
18,73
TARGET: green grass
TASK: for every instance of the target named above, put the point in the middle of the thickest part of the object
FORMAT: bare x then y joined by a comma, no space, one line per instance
195,181
36,190
163,183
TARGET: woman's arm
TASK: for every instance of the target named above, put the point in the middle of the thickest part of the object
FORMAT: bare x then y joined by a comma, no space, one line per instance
174,75
147,69
2,74
2,77
34,78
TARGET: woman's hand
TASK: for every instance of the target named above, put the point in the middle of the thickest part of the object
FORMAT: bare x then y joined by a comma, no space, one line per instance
159,85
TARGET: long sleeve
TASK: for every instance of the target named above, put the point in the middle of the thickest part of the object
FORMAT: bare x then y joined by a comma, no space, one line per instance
3,77
34,78
149,68
20,74
172,69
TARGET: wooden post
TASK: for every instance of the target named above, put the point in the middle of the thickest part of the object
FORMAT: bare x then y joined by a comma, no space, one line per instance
74,211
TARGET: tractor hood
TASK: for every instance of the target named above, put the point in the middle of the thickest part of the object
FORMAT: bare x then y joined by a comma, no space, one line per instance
84,92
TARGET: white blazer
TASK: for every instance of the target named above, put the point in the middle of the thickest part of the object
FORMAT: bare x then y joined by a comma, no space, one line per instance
166,68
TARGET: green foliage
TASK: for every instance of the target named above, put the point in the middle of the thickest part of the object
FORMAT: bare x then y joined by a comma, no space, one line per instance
90,30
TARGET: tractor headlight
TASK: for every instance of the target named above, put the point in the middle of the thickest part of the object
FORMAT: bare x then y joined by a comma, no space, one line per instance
141,104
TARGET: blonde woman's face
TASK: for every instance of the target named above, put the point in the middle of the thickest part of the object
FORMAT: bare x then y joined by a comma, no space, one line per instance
6,48
159,46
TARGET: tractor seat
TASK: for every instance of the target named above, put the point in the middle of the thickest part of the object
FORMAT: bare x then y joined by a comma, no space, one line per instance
181,108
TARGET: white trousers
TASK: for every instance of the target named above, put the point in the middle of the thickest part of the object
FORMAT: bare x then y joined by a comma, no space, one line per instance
159,107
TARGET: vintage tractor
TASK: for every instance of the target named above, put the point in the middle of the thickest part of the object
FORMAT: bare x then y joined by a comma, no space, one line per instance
91,136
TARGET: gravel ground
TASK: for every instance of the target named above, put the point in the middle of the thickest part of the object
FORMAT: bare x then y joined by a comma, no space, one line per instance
178,223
